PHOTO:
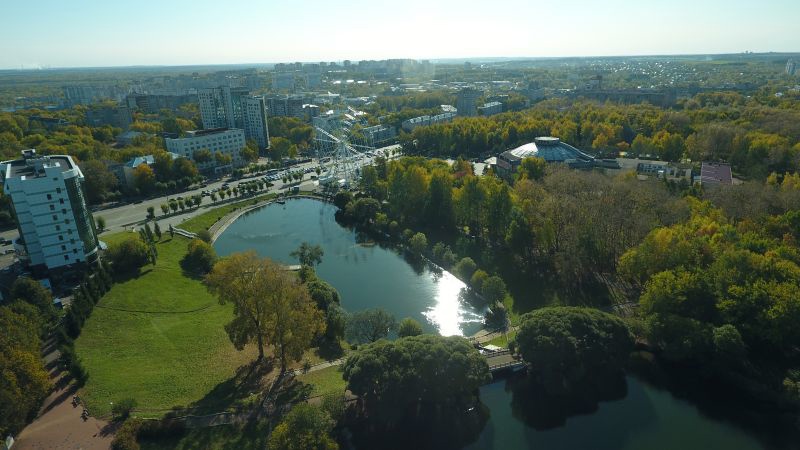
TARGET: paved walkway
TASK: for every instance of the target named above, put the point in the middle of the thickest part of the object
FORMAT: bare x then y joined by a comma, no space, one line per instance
59,424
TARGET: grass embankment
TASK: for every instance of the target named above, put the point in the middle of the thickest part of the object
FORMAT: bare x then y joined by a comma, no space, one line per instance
157,338
205,220
502,341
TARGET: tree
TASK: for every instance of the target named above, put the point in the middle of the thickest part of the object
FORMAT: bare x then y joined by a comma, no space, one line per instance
465,268
164,208
100,221
144,179
270,306
369,325
31,291
205,236
409,327
308,255
200,257
151,212
404,377
493,289
99,181
129,254
304,427
568,346
531,169
123,408
418,243
157,231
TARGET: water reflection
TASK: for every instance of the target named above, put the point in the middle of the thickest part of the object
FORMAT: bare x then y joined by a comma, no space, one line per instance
449,312
367,275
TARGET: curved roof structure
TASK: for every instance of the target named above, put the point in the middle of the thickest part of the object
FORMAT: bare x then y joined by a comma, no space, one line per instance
551,149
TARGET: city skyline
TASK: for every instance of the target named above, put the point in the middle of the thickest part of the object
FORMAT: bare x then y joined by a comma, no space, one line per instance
91,33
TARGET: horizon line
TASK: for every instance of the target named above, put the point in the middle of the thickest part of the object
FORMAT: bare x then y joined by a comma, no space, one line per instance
439,60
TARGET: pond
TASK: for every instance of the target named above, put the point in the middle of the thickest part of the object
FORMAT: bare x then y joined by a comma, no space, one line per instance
639,413
365,274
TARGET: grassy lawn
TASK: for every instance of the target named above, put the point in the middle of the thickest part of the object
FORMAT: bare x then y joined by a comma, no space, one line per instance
252,436
205,220
502,341
158,339
325,381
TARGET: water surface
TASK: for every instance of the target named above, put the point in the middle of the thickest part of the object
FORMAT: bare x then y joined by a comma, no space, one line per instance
366,275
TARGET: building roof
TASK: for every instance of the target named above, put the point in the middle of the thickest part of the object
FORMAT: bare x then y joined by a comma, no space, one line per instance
715,173
32,166
551,149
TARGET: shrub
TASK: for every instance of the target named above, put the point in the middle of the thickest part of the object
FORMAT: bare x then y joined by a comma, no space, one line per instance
465,268
477,279
409,327
204,235
200,257
121,410
128,255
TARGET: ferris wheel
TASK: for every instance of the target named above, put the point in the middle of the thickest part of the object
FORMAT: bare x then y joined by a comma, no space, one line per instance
340,155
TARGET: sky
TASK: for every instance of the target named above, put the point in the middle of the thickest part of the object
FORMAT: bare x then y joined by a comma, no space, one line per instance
100,33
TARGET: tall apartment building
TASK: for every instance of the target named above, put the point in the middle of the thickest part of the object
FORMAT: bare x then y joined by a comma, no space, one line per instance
255,120
227,142
234,107
791,67
467,102
56,228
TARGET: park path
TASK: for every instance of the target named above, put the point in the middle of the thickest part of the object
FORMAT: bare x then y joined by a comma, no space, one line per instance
59,424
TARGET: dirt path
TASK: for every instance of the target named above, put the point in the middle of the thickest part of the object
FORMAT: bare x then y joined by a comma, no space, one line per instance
59,425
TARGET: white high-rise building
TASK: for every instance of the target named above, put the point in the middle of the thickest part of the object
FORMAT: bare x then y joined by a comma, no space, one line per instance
56,228
227,107
222,141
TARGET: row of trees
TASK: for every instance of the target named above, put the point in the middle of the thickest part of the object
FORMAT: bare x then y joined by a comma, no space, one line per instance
757,139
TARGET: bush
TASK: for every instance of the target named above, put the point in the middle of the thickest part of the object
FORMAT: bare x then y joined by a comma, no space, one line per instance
204,235
493,289
128,255
477,279
465,268
409,327
200,257
125,439
418,243
121,410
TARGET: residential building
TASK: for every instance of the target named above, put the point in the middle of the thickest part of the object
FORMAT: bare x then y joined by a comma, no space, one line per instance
234,107
116,116
379,135
551,149
153,103
255,120
55,226
467,102
283,81
421,121
222,141
490,109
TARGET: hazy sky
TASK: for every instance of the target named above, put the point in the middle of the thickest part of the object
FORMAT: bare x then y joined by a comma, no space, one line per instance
59,33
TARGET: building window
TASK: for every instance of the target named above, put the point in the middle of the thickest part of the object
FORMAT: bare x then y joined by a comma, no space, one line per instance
75,251
60,237
63,248
58,190
63,211
58,227
61,200
66,257
49,197
66,221
52,207
55,217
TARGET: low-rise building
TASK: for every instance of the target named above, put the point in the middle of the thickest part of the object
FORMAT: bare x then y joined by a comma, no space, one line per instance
379,135
223,141
55,226
712,173
421,121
